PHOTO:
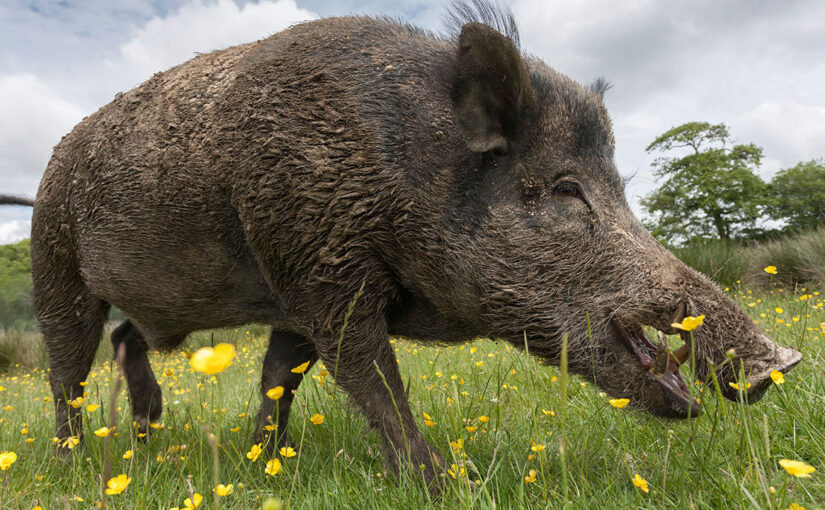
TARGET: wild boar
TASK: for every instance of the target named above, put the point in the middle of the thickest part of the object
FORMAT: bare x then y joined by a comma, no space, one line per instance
457,186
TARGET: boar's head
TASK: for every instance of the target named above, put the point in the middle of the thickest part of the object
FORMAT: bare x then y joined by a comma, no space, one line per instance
541,242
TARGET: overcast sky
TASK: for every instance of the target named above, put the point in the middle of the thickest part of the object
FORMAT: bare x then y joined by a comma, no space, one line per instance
757,66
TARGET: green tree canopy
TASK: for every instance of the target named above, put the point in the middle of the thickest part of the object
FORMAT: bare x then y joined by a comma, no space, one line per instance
709,189
798,195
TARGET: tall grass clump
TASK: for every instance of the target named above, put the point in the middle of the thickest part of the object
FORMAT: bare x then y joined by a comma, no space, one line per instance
723,261
800,260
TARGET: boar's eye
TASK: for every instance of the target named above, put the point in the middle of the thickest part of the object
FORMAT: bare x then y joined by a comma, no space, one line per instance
568,189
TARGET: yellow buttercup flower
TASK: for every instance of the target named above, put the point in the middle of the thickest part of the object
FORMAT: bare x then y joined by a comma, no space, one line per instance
641,483
470,428
71,442
194,502
770,269
428,420
103,431
300,369
7,459
254,452
483,419
457,445
127,455
537,448
531,477
456,471
92,407
77,403
778,377
224,490
797,468
273,467
689,323
317,419
275,393
213,360
287,451
736,386
117,484
619,403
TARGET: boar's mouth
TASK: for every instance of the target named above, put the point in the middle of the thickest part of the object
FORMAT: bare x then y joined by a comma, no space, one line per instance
666,390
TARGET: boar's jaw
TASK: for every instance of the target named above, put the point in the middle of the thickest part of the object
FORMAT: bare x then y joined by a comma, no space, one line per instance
664,387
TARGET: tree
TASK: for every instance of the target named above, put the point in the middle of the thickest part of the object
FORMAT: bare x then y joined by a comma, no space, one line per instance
711,190
798,195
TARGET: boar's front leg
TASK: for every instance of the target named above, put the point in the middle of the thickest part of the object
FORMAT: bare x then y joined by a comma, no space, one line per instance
144,391
367,369
285,352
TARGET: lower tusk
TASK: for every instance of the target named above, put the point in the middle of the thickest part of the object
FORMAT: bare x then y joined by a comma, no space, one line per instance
681,354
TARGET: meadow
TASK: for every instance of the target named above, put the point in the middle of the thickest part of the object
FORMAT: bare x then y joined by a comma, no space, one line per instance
517,434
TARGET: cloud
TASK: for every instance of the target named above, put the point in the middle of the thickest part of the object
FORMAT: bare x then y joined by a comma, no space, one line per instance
199,27
35,117
788,132
13,231
757,67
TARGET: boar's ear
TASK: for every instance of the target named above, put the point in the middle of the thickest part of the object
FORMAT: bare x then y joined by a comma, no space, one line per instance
492,91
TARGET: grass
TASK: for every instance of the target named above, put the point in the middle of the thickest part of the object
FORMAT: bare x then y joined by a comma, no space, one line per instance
727,458
800,259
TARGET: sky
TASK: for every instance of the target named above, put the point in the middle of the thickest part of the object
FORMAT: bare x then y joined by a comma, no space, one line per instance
759,67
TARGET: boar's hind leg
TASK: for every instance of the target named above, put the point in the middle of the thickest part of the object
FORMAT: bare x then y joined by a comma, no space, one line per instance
144,391
71,320
368,371
285,352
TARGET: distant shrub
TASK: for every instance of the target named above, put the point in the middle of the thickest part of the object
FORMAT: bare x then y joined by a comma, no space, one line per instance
16,286
799,258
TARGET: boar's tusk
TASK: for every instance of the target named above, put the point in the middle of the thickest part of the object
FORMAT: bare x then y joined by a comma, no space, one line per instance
682,353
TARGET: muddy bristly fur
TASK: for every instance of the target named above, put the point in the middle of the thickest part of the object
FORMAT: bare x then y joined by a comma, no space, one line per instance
456,186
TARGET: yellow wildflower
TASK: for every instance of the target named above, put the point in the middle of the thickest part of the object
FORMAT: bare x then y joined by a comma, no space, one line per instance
287,451
194,502
224,490
117,484
213,360
102,431
127,455
456,471
531,477
300,369
778,377
92,407
689,323
273,467
770,269
275,393
797,468
736,386
254,452
317,419
641,483
618,403
7,459
71,442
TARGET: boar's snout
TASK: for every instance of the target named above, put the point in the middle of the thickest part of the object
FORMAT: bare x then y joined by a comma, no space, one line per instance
758,371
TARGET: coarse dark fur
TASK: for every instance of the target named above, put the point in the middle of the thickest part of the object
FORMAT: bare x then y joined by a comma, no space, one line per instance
457,187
